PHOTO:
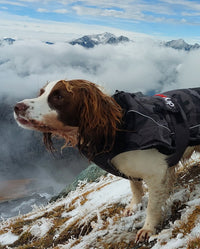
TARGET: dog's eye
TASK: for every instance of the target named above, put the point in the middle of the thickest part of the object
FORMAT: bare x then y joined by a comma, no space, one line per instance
57,95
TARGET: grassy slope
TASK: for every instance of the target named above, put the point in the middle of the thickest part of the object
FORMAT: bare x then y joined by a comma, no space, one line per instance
91,217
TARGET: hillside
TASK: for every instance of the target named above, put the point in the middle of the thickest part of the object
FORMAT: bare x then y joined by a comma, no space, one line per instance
91,217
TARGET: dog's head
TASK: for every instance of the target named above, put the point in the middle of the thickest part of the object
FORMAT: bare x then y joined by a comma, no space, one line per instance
76,110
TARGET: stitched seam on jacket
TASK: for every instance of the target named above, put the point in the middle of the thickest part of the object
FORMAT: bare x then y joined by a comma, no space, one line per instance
146,116
192,127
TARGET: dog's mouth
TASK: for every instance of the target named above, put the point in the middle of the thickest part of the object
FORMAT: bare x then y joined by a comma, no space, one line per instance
69,133
23,121
31,124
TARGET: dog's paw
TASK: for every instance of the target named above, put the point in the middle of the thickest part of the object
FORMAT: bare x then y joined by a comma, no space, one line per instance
128,211
143,235
131,209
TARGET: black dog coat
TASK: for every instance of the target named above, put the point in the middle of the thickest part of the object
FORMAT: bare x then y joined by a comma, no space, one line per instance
168,122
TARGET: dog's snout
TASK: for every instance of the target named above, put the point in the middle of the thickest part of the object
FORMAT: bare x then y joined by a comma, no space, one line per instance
20,108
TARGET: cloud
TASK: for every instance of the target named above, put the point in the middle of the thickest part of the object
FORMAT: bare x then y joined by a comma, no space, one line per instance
135,11
42,10
80,10
188,71
59,11
191,13
16,3
161,11
29,28
193,5
25,66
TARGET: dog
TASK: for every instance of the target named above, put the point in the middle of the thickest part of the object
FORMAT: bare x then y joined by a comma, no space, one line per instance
130,135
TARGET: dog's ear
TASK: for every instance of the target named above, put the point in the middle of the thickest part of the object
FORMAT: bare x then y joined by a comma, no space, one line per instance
95,113
48,141
99,116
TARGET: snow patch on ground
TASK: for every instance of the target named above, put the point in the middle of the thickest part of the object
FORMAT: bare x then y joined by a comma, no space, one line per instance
92,217
41,227
8,238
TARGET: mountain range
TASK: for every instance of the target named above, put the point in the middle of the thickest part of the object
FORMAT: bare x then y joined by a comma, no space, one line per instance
90,41
180,44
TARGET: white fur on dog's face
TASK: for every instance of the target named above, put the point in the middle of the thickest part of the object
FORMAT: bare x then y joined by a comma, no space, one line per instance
38,108
42,115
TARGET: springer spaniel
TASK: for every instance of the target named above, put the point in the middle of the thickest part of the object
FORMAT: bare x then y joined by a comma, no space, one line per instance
79,112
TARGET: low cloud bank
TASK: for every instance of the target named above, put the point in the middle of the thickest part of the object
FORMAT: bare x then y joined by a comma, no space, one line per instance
27,65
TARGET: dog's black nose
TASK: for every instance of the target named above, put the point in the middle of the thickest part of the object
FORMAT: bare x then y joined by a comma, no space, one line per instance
20,108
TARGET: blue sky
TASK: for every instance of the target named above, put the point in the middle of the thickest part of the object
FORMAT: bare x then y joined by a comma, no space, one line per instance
164,18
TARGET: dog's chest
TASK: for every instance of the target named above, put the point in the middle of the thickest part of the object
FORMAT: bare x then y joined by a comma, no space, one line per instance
140,163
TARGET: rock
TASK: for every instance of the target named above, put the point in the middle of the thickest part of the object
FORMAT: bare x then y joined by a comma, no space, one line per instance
91,173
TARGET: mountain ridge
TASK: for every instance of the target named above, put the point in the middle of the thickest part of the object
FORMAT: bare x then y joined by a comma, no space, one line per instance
91,41
180,44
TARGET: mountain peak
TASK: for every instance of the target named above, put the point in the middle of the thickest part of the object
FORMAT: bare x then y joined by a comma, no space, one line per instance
180,44
89,41
7,41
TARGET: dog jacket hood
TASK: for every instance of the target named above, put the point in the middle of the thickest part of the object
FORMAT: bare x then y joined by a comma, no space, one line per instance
168,122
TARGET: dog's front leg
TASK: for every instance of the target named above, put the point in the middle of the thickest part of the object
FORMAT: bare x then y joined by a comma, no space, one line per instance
158,193
137,193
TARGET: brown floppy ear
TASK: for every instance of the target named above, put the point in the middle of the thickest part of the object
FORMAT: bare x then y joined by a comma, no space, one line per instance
100,117
48,142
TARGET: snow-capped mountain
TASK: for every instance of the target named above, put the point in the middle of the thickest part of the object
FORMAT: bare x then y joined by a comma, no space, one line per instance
89,41
7,41
180,44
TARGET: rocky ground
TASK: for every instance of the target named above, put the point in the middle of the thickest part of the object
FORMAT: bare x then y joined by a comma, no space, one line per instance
91,216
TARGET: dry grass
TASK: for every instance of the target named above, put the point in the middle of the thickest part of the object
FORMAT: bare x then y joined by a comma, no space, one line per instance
120,245
187,226
194,243
78,229
124,245
75,230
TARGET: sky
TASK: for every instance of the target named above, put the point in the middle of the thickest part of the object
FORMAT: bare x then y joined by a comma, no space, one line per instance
160,18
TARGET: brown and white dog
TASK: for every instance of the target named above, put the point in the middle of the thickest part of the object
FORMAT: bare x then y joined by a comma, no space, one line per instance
79,112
